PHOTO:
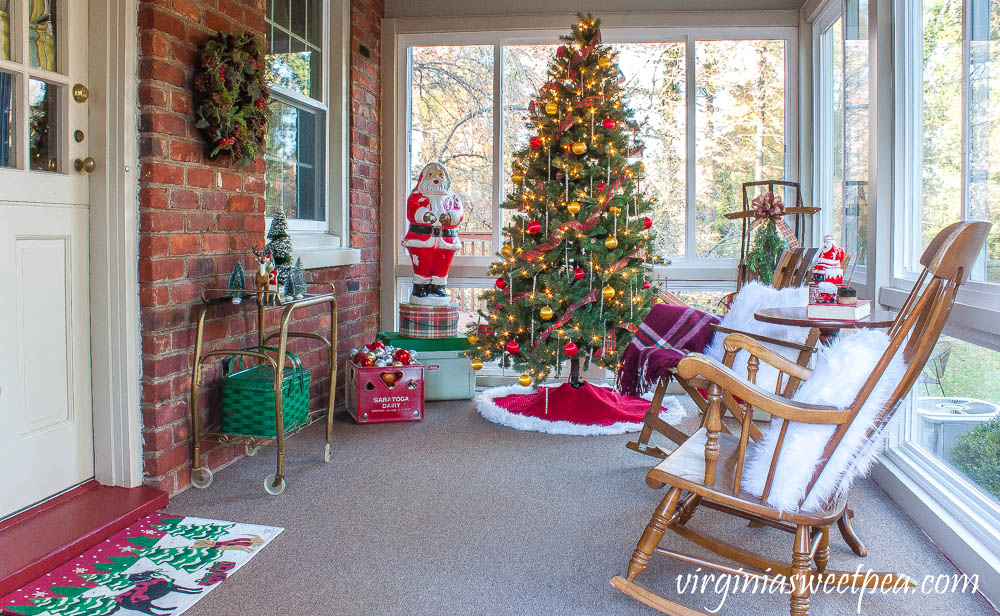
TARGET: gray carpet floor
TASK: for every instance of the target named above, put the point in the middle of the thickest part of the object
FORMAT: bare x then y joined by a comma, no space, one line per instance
456,515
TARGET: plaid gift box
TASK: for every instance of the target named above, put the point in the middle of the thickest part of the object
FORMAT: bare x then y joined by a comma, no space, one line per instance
428,321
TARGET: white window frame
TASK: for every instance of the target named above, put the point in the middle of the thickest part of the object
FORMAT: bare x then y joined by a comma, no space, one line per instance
686,269
324,243
822,131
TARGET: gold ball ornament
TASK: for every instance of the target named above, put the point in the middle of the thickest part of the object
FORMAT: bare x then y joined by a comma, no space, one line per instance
546,313
603,62
579,148
608,292
614,209
506,251
659,300
524,380
473,339
516,178
551,108
477,364
611,242
573,207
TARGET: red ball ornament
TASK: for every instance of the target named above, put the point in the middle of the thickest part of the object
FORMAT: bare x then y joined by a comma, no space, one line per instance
402,355
359,357
513,347
378,344
645,284
367,361
608,123
535,143
647,222
534,227
501,283
578,273
600,186
570,349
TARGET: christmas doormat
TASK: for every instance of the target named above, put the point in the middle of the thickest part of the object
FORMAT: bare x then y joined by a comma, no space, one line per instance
161,565
563,409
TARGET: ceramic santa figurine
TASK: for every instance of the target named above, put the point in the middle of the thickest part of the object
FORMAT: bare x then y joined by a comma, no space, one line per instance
828,265
433,212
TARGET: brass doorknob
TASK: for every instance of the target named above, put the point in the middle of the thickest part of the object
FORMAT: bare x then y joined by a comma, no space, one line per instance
87,164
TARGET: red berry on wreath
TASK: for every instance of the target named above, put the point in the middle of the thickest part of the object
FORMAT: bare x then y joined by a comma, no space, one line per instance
570,349
513,347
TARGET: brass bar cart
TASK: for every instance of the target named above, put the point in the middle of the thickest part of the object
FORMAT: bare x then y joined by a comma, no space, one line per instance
201,476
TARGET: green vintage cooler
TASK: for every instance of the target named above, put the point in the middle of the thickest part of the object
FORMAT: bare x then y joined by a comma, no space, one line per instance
448,375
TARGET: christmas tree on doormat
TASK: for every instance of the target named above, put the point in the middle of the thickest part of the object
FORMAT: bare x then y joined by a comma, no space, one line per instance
572,279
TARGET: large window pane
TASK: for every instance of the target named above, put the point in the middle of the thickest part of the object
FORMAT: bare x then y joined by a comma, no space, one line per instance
957,411
984,128
942,118
451,121
830,149
294,162
740,132
655,91
295,57
854,234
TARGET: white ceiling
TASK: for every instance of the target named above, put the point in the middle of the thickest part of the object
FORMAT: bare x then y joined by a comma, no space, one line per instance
458,8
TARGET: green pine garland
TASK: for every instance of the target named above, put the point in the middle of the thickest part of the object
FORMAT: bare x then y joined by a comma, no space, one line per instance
232,84
766,246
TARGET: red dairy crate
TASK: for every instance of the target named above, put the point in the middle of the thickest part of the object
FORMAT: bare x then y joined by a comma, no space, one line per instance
390,393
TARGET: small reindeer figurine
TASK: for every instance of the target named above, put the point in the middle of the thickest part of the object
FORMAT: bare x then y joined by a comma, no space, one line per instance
262,277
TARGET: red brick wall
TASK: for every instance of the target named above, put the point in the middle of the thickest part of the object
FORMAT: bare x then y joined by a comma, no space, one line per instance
198,217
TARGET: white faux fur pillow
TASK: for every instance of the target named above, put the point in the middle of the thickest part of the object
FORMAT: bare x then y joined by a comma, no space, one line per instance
752,297
841,370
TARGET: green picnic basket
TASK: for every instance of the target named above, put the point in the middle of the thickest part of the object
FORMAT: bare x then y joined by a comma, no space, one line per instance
248,397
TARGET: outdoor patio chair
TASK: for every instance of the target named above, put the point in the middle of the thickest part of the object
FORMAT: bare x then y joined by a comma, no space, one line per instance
934,372
829,431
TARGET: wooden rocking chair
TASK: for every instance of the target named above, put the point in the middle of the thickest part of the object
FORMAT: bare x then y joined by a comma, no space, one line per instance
707,470
793,268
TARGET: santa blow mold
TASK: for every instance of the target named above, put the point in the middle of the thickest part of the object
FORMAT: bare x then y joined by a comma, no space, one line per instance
828,266
433,212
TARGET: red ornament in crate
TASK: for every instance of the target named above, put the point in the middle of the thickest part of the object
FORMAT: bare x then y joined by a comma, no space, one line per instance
379,394
402,356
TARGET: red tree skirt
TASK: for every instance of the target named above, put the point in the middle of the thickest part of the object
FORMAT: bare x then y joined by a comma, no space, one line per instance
587,410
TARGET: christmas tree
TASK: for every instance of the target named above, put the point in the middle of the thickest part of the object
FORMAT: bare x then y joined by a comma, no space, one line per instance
573,275
280,244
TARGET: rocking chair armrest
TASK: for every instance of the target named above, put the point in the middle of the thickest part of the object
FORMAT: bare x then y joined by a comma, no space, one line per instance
740,341
761,338
697,365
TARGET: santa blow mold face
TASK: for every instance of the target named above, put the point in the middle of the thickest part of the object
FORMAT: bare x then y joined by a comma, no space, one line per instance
434,180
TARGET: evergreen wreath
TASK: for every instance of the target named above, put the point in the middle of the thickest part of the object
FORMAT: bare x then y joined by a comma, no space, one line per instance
232,84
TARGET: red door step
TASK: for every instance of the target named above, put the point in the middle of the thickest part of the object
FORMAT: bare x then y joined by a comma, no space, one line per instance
40,539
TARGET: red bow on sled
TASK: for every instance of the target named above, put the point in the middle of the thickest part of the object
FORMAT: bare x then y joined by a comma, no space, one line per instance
767,207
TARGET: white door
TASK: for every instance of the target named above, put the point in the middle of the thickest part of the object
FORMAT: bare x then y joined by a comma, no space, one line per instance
46,417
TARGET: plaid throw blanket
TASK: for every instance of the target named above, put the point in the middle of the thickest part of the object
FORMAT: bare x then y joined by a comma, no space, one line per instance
665,336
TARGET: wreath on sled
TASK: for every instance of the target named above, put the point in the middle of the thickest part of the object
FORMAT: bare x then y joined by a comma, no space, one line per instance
232,110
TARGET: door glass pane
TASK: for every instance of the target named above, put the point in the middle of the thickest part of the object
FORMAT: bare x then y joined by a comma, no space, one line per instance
451,121
942,118
5,30
984,129
854,235
7,119
293,177
655,91
43,118
740,132
831,127
294,61
957,411
42,33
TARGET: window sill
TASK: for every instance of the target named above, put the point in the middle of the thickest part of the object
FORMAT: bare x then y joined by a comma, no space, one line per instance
323,250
